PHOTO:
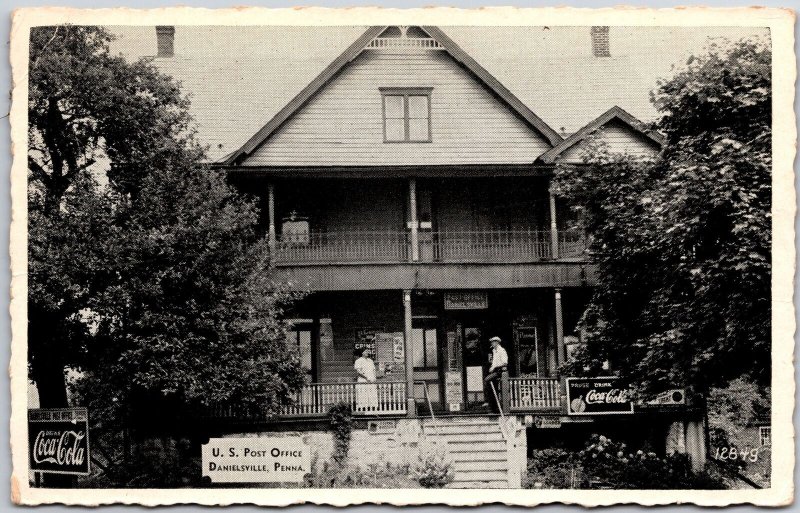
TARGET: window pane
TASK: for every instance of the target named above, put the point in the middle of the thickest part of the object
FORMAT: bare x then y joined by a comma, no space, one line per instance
417,348
418,107
394,106
430,348
395,130
418,130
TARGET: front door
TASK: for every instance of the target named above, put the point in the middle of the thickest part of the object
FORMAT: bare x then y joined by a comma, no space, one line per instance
475,357
425,354
467,355
426,216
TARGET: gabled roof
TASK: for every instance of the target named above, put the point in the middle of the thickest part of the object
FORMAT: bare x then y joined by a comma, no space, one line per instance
452,48
614,113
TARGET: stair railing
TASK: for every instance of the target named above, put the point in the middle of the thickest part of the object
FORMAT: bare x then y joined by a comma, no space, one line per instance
502,414
430,407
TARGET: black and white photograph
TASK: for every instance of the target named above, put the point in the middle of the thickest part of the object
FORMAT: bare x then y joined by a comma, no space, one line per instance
551,257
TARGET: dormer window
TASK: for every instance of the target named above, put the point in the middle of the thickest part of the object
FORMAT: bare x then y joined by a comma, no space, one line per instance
406,114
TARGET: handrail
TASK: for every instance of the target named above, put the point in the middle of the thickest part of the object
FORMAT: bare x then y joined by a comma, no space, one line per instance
430,405
502,414
442,245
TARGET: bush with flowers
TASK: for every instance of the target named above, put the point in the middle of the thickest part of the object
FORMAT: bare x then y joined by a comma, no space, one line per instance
612,464
604,463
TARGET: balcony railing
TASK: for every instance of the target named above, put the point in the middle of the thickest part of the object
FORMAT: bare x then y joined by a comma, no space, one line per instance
489,246
380,398
352,246
532,394
440,246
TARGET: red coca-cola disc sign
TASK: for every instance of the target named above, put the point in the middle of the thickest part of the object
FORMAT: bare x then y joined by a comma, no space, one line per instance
58,440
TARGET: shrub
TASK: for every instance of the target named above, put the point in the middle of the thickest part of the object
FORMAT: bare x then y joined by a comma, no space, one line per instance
434,469
374,475
341,423
612,464
554,468
605,463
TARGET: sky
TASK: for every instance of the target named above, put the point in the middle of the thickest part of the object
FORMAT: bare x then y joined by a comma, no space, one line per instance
239,77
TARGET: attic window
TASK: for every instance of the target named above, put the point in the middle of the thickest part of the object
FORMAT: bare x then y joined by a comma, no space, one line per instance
406,114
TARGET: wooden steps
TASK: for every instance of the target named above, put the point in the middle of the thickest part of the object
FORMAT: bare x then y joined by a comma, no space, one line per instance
477,448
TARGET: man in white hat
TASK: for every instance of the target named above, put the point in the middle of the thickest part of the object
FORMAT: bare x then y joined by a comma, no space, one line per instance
496,369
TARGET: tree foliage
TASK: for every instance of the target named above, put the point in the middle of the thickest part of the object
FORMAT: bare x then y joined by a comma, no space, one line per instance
147,273
683,243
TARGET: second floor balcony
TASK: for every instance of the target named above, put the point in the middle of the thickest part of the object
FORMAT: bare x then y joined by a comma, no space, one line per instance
444,221
441,246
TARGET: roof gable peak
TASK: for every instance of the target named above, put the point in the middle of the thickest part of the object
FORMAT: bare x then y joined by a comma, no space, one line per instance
614,113
402,37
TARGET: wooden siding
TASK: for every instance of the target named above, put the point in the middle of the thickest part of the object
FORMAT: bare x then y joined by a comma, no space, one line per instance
619,139
382,311
342,125
486,204
339,206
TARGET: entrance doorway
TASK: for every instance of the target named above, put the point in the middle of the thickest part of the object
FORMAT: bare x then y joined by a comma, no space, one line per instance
426,215
425,354
467,362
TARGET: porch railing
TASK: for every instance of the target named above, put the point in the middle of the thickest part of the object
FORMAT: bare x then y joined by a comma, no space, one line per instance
489,246
380,398
351,246
531,394
439,246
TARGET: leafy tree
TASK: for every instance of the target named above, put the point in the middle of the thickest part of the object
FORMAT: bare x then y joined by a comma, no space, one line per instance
87,109
147,274
683,243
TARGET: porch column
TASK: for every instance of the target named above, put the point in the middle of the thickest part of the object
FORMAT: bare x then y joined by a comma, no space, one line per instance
411,406
412,218
271,211
553,227
559,325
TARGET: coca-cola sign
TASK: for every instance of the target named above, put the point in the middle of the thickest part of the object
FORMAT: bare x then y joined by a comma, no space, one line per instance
598,396
58,440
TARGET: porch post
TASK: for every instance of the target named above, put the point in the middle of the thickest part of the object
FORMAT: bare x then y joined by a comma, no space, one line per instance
412,218
559,324
553,227
411,406
271,211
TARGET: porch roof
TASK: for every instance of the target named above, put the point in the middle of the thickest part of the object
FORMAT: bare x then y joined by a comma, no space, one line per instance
433,171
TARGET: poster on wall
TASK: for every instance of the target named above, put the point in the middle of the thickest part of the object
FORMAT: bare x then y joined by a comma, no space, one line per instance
475,379
454,390
365,339
386,352
598,396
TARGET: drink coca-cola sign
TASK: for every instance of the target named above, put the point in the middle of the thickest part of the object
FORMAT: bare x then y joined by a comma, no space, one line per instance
58,440
598,396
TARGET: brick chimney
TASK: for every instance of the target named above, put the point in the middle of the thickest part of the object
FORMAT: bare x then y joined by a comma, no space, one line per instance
165,38
600,43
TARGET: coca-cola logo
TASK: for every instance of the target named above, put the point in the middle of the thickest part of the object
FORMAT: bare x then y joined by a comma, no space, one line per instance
64,448
612,396
598,396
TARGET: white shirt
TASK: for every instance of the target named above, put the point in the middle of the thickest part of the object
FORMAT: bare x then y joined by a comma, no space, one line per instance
365,368
499,358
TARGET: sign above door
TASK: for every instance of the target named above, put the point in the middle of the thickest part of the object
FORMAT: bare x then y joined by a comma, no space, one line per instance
466,300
